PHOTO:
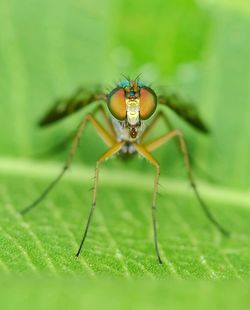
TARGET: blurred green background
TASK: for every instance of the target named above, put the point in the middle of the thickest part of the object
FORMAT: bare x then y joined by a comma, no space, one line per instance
200,49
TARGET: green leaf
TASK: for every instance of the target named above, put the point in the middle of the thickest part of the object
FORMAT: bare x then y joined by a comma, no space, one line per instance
120,240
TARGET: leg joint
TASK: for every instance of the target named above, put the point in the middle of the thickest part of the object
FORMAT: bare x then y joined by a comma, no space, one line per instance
178,132
158,168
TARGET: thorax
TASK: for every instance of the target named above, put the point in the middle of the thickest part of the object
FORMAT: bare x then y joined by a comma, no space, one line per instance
123,131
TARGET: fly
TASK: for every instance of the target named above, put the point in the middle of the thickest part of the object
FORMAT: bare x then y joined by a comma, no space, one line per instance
129,105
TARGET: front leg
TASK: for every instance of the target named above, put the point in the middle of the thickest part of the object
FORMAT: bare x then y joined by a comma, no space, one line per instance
158,117
143,151
109,153
105,136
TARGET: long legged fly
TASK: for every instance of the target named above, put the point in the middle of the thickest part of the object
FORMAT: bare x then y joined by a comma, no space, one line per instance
128,106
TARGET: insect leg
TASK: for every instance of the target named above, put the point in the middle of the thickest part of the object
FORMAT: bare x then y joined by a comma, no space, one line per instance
109,153
142,151
106,137
62,145
160,115
170,127
103,112
165,138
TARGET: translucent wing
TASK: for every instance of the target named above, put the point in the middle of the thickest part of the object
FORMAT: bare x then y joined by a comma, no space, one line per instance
186,111
67,106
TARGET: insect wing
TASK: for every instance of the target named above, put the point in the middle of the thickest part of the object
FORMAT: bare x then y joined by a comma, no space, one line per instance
184,110
67,106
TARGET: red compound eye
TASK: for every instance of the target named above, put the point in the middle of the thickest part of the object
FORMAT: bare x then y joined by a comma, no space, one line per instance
148,102
117,103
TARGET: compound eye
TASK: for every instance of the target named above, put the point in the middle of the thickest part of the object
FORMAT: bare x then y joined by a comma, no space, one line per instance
117,103
148,102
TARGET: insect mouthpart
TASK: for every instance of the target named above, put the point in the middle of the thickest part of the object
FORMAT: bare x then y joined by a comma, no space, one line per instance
133,132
